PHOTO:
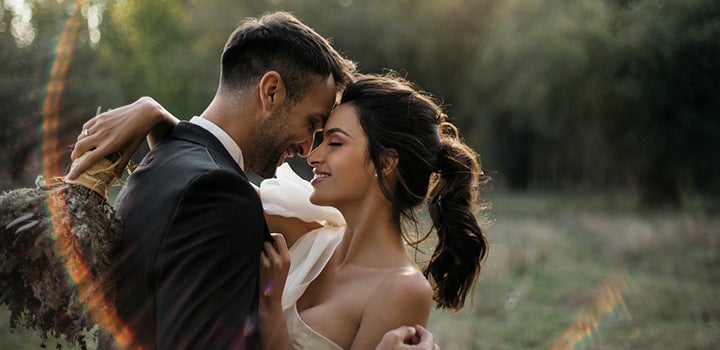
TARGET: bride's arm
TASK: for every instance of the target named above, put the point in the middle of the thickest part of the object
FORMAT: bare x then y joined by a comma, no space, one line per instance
121,130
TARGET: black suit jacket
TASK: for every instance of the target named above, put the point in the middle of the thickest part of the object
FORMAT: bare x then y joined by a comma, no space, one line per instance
194,228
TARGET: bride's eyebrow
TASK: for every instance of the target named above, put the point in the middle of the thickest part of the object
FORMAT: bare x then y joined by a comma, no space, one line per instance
328,132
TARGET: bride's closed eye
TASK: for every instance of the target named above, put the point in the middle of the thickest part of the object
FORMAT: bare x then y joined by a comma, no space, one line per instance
332,137
319,139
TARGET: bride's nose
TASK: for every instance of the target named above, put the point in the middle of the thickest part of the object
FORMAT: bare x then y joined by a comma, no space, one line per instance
314,157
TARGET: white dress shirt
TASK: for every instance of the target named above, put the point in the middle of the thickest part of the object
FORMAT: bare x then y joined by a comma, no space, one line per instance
223,137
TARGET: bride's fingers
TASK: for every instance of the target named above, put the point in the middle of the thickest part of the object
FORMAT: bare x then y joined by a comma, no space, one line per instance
80,166
271,253
85,131
88,124
264,261
86,128
81,146
268,272
280,244
93,148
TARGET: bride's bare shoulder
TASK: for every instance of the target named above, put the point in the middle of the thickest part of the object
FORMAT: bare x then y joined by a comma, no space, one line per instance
406,287
404,297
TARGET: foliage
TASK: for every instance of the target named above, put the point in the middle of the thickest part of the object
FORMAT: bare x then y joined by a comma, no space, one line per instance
24,86
665,110
21,83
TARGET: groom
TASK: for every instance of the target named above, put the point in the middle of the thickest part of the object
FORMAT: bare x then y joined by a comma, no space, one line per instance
194,225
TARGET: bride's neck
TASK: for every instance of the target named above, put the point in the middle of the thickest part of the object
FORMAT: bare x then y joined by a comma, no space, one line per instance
372,237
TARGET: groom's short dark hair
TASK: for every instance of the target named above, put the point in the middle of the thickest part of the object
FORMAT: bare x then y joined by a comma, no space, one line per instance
280,42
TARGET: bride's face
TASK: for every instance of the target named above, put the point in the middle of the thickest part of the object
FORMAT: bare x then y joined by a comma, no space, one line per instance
342,169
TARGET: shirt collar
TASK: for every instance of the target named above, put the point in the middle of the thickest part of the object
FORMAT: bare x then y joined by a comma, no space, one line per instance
223,137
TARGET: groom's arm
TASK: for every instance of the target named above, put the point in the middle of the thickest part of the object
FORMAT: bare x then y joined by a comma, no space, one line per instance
207,267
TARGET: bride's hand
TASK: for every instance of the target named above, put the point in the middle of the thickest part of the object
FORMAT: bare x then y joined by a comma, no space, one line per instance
274,268
119,130
408,338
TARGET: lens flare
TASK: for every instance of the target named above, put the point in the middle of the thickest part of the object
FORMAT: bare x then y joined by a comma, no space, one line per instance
101,310
608,303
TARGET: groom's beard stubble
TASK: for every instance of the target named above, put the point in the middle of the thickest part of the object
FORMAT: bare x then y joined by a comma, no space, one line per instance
270,144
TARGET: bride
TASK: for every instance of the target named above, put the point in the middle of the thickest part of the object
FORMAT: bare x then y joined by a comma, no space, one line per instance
342,279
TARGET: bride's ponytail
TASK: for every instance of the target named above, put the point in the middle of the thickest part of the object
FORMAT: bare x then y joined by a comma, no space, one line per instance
461,246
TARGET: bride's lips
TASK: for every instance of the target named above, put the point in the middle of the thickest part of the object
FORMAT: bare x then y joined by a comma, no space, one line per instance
319,176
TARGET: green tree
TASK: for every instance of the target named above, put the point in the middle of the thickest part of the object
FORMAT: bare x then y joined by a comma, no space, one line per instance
20,90
145,45
533,83
26,71
664,113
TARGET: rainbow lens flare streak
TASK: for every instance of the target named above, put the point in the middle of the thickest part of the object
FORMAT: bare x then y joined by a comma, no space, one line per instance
102,312
609,302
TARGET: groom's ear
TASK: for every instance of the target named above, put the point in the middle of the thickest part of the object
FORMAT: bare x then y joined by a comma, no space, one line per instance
272,91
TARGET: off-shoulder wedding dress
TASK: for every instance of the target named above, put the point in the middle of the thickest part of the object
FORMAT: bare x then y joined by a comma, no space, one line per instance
289,195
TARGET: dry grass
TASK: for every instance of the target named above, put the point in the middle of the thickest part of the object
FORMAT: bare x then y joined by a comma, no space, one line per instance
590,272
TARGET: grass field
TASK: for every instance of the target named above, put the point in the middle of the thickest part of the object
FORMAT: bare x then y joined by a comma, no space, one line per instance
580,272
592,272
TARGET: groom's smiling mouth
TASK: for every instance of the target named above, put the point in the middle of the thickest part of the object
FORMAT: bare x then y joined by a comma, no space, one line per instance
290,152
287,154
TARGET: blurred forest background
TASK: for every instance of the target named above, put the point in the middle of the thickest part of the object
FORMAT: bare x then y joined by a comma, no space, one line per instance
598,120
554,94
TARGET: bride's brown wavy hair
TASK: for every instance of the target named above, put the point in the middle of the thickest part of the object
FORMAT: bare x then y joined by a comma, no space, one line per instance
434,167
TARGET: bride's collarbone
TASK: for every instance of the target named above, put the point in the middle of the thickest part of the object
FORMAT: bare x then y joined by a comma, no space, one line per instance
350,287
334,303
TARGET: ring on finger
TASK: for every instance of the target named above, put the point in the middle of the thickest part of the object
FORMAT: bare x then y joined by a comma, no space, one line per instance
85,132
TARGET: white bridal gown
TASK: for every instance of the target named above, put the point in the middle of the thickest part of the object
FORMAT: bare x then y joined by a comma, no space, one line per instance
289,195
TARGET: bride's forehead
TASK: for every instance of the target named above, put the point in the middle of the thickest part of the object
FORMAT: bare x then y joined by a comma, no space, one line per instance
343,115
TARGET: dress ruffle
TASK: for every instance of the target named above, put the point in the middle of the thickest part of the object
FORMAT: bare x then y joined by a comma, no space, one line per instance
288,195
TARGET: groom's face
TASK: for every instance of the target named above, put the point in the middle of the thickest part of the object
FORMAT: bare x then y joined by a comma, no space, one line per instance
290,131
